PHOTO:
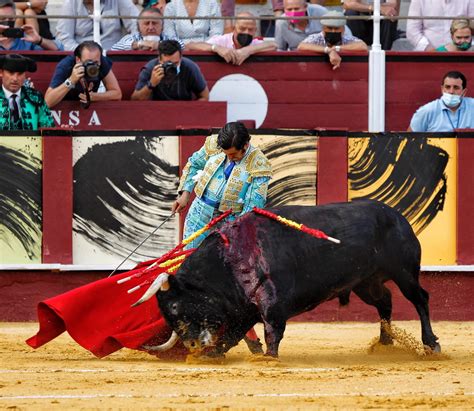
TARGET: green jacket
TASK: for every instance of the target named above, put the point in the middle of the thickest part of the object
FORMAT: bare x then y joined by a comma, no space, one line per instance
35,113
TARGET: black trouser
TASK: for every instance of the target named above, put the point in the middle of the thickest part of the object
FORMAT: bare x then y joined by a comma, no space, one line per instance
364,29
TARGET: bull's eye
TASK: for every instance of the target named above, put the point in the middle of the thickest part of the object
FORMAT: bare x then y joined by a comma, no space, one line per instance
174,309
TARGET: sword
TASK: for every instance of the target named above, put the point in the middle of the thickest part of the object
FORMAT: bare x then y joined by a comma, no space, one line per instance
139,245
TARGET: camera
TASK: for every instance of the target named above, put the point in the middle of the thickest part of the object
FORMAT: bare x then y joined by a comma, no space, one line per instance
91,70
13,32
170,70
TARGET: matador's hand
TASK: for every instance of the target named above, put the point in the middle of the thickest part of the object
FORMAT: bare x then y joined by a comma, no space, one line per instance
181,202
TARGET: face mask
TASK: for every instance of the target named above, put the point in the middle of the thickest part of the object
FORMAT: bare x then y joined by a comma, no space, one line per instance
295,14
152,38
244,39
464,45
451,100
333,38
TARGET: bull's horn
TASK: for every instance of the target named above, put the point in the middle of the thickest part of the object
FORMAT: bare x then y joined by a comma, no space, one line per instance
161,282
163,347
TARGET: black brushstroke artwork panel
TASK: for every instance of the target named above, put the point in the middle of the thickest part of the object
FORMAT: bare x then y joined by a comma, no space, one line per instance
122,192
20,200
293,161
406,173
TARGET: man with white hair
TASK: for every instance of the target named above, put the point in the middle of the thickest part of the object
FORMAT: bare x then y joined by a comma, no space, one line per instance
237,46
149,35
333,39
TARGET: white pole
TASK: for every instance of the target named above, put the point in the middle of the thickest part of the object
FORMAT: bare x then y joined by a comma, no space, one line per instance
376,77
96,20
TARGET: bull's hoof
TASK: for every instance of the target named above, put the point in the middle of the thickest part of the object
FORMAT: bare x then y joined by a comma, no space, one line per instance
385,339
255,346
436,349
205,359
268,359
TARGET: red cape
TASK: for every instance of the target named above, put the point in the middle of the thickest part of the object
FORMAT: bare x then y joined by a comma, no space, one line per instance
99,317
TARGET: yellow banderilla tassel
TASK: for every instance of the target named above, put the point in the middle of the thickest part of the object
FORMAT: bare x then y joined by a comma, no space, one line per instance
167,263
290,223
195,235
174,268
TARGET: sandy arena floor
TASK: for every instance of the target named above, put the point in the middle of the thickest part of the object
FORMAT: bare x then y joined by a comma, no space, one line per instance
322,365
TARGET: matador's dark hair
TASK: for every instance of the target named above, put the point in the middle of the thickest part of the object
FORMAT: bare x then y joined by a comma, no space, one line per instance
233,134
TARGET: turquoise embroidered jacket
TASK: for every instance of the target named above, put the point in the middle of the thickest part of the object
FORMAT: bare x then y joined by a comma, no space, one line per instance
35,113
247,185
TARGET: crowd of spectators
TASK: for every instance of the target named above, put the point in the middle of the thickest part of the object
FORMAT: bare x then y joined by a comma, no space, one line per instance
197,21
320,26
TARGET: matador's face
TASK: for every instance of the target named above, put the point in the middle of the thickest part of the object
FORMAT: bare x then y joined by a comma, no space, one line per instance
233,154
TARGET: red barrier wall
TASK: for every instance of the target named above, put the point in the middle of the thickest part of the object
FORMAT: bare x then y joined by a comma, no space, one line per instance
465,203
302,89
57,199
20,291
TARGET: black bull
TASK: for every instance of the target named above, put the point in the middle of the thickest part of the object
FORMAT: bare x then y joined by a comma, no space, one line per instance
268,272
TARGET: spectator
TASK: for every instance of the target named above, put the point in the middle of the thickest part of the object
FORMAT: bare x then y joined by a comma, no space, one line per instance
289,34
364,29
170,77
452,111
228,10
191,29
238,46
28,11
70,79
149,33
332,39
461,36
427,35
71,32
31,39
23,107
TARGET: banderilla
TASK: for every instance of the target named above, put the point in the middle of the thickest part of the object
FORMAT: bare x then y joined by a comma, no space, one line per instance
139,245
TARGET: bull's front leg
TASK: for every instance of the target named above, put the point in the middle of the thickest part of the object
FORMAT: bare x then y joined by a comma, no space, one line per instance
274,327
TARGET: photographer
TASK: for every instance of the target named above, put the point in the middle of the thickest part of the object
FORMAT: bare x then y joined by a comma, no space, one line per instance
79,76
170,77
24,38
